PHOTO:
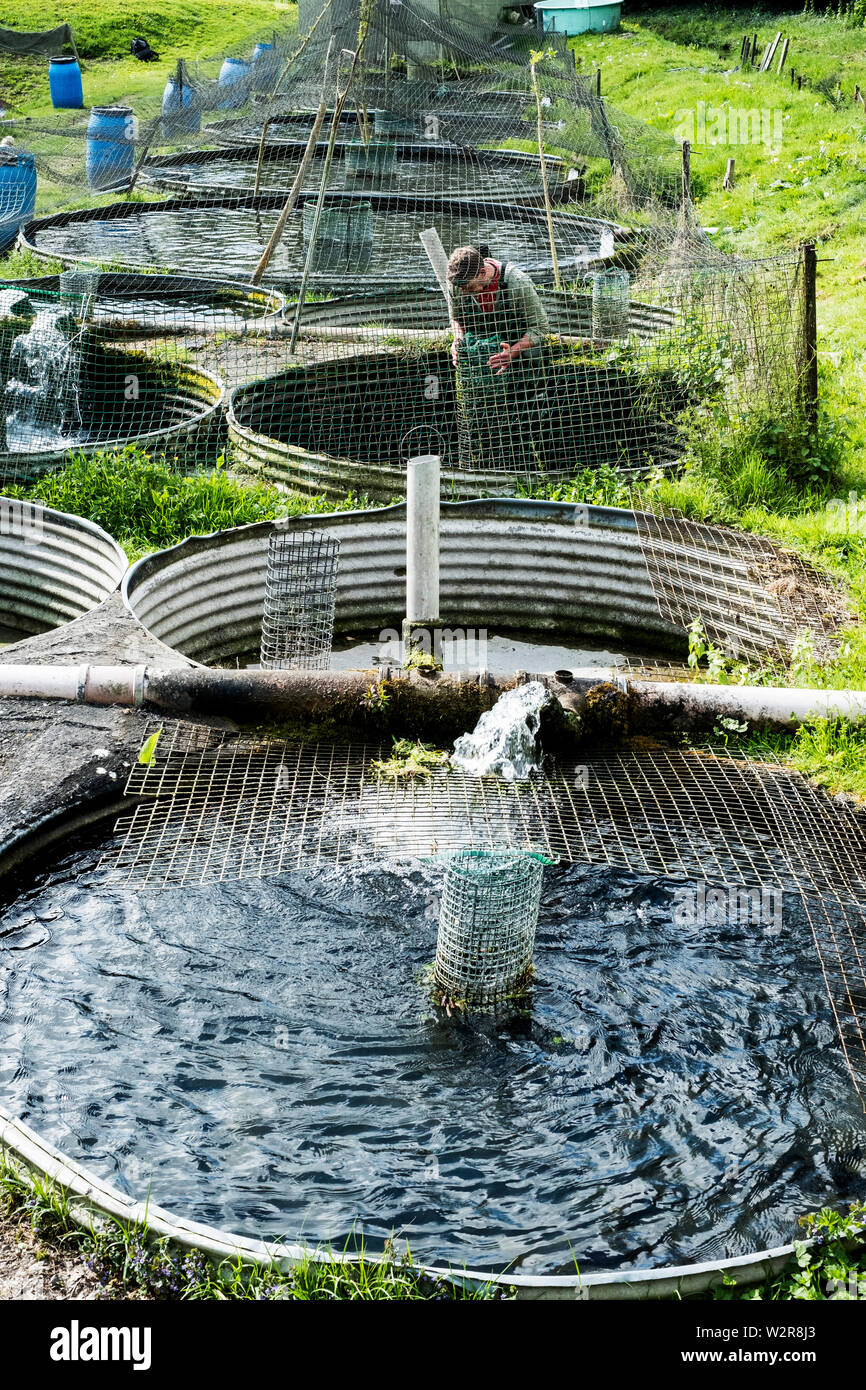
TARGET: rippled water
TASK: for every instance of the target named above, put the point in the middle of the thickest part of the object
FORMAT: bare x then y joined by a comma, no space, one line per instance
227,242
262,1058
407,174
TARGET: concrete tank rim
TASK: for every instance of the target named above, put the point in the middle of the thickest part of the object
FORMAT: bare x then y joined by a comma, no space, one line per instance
103,1200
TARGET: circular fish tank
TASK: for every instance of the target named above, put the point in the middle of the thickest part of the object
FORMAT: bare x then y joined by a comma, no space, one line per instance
263,1057
53,568
226,237
133,305
67,384
414,169
350,423
580,587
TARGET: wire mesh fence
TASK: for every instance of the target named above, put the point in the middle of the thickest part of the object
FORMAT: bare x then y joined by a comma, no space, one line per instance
300,600
311,167
753,600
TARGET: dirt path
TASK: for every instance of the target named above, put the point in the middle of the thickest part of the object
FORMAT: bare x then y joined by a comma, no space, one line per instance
31,1269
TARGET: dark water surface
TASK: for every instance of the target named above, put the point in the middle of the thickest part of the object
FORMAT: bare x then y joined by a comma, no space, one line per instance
262,1058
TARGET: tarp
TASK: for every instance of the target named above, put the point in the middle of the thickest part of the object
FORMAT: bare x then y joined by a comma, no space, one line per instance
49,41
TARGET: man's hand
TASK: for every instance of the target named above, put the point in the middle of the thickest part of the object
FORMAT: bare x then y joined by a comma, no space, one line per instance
454,350
501,359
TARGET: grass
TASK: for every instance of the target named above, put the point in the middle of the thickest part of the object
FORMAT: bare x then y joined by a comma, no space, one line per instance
146,504
103,34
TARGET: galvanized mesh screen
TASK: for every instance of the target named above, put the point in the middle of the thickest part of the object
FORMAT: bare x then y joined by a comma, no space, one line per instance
300,600
487,921
260,288
753,599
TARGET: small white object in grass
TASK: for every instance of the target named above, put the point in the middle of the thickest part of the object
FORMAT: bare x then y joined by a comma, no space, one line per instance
102,752
7,142
102,770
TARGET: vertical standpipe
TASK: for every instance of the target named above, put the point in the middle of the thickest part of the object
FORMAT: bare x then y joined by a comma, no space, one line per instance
422,553
487,923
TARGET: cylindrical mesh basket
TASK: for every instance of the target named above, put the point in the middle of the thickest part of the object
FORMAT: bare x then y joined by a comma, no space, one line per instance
300,599
487,923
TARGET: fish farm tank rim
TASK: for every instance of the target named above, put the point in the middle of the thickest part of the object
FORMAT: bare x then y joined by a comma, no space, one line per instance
134,284
502,507
83,523
17,465
47,1159
157,170
381,204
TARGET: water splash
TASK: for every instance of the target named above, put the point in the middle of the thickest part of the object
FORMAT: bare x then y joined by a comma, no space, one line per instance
42,396
503,742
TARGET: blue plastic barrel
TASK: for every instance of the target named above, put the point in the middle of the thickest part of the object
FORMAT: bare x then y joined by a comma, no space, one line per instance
235,82
17,193
110,141
266,65
64,83
181,110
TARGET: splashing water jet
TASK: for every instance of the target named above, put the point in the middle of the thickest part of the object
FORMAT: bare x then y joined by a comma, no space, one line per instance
504,741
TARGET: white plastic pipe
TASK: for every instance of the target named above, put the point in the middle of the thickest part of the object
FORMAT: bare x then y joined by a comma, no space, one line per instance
780,706
422,539
94,685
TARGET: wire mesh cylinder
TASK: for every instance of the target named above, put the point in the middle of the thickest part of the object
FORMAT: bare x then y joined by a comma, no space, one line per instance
300,599
611,303
487,923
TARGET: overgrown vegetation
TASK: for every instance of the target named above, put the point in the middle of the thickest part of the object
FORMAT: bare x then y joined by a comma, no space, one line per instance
409,758
832,1267
146,503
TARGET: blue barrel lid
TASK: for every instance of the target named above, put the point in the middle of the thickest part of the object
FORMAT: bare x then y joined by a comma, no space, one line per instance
62,58
11,156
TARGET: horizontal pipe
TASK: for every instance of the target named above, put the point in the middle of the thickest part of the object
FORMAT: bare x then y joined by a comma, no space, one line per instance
690,704
318,695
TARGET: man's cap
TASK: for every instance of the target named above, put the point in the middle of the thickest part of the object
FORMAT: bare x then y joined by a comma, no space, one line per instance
464,265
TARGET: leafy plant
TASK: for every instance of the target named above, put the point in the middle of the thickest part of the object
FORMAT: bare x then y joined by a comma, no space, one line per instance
409,758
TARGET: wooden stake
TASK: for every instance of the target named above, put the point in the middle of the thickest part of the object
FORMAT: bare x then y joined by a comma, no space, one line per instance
762,66
687,172
754,47
728,180
341,93
598,82
294,194
782,56
766,65
544,184
810,333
